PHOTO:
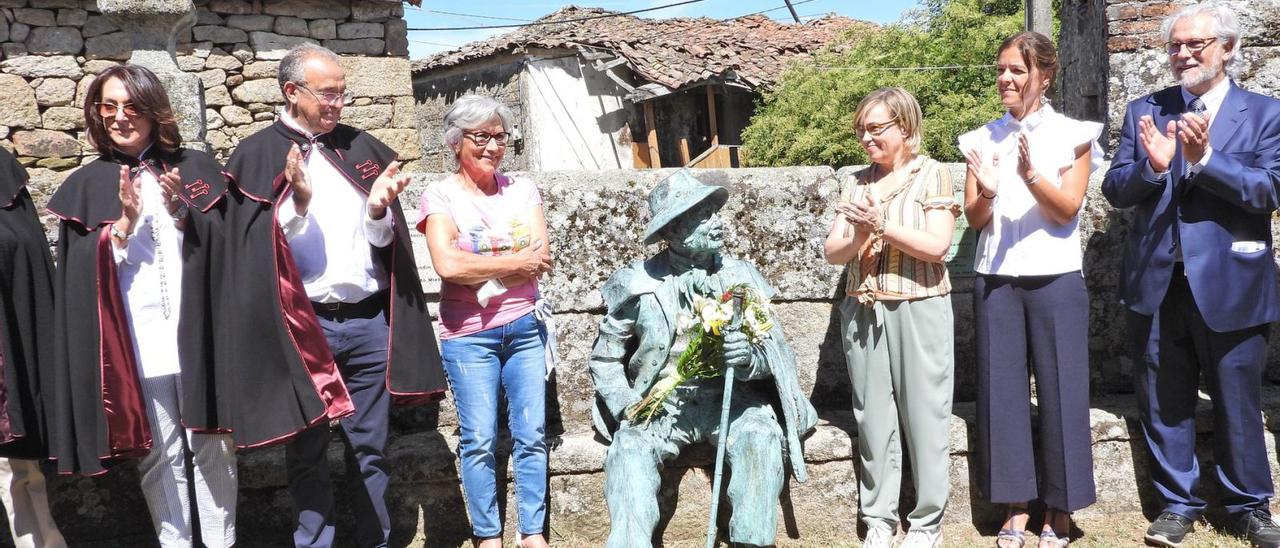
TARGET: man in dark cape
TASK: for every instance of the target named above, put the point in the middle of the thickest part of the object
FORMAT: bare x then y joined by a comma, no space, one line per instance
351,247
26,355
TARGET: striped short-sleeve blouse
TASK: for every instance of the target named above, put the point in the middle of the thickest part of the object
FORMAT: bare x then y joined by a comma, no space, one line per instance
881,272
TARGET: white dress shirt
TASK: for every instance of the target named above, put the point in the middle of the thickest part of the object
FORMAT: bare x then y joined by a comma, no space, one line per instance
1020,239
150,274
338,227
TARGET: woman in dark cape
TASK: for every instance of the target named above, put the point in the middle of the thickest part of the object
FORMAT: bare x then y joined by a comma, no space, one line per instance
138,225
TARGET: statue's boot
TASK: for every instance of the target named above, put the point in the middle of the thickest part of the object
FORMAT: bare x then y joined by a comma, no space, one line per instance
631,481
755,457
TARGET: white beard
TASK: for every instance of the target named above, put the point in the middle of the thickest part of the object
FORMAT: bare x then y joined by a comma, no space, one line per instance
1204,73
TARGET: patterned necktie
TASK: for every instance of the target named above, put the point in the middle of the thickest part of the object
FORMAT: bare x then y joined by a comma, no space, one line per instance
1197,107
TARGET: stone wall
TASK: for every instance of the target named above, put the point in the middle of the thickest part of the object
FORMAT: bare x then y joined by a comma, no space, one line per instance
778,218
1138,66
50,51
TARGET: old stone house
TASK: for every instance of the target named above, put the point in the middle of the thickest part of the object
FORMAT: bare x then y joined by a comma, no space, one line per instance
50,51
603,91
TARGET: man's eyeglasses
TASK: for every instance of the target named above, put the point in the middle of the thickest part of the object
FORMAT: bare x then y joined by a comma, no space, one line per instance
1194,47
109,110
344,98
481,138
875,130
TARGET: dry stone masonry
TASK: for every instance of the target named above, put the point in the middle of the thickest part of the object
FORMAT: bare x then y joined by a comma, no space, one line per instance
50,51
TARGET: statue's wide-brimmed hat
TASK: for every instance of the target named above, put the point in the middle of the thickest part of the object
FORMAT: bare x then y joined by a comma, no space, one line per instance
674,196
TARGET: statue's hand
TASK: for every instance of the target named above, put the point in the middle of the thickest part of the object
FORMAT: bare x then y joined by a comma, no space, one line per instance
622,404
737,352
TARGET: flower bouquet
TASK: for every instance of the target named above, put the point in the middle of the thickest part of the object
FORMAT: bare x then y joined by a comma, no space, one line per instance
703,358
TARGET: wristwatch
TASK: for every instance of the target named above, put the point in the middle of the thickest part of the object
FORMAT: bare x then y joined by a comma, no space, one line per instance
115,233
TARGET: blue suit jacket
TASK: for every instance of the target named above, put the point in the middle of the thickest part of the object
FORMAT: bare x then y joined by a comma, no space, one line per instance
1223,214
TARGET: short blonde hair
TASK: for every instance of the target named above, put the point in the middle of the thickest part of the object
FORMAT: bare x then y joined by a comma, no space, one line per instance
902,107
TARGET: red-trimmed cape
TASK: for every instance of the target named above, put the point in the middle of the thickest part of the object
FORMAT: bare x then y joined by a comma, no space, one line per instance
414,374
26,317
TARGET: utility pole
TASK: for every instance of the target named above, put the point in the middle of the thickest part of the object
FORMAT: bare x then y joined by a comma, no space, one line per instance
1040,16
792,9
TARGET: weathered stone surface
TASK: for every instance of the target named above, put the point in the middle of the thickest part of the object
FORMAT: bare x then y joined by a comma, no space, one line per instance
249,129
4,29
217,96
12,3
242,52
63,118
235,115
403,141
250,22
18,32
260,116
54,4
58,163
307,9
258,91
259,107
43,143
35,17
271,46
4,133
234,80
98,65
260,69
54,92
378,76
116,45
219,34
362,10
368,117
31,66
405,113
212,77
349,31
213,120
190,63
206,17
221,60
363,46
97,24
397,37
73,17
20,108
82,89
220,141
323,29
54,41
11,50
238,7
291,26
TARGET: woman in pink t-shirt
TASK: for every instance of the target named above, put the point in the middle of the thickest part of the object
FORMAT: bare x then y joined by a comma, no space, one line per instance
487,236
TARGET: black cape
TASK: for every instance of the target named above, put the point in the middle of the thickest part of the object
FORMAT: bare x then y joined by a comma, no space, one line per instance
26,326
414,373
96,406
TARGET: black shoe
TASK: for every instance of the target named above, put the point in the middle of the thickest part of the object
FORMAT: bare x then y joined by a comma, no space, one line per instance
1258,529
1169,529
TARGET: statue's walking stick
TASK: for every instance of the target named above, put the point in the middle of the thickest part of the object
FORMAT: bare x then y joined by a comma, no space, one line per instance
735,323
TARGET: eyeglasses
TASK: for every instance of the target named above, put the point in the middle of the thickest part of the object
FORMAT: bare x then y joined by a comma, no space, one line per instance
109,110
481,138
875,130
1194,47
344,98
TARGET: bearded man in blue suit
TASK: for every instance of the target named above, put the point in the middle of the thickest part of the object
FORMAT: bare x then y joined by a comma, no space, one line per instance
1199,164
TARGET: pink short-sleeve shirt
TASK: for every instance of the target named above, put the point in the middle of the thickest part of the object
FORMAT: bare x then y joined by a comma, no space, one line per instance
497,224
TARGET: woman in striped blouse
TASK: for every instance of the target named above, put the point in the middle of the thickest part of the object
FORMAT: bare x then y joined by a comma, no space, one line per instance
893,228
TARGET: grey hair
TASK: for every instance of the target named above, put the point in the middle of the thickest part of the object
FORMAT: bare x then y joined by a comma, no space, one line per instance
470,112
1226,27
292,67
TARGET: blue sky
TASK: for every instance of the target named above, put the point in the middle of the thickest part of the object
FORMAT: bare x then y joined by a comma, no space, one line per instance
424,43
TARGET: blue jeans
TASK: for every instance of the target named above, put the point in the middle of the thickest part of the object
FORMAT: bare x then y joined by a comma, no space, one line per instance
509,357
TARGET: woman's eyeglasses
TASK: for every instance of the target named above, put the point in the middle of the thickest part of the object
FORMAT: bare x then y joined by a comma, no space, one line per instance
109,110
875,130
481,138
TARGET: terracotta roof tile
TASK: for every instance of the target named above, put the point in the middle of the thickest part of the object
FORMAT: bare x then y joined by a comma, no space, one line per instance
671,52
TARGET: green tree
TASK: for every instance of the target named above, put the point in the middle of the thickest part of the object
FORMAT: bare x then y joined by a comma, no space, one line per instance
808,118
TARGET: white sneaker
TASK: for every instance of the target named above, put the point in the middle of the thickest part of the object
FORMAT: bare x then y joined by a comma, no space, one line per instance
878,536
922,539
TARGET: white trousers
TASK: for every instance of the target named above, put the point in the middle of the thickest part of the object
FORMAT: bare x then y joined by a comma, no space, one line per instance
164,472
22,490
